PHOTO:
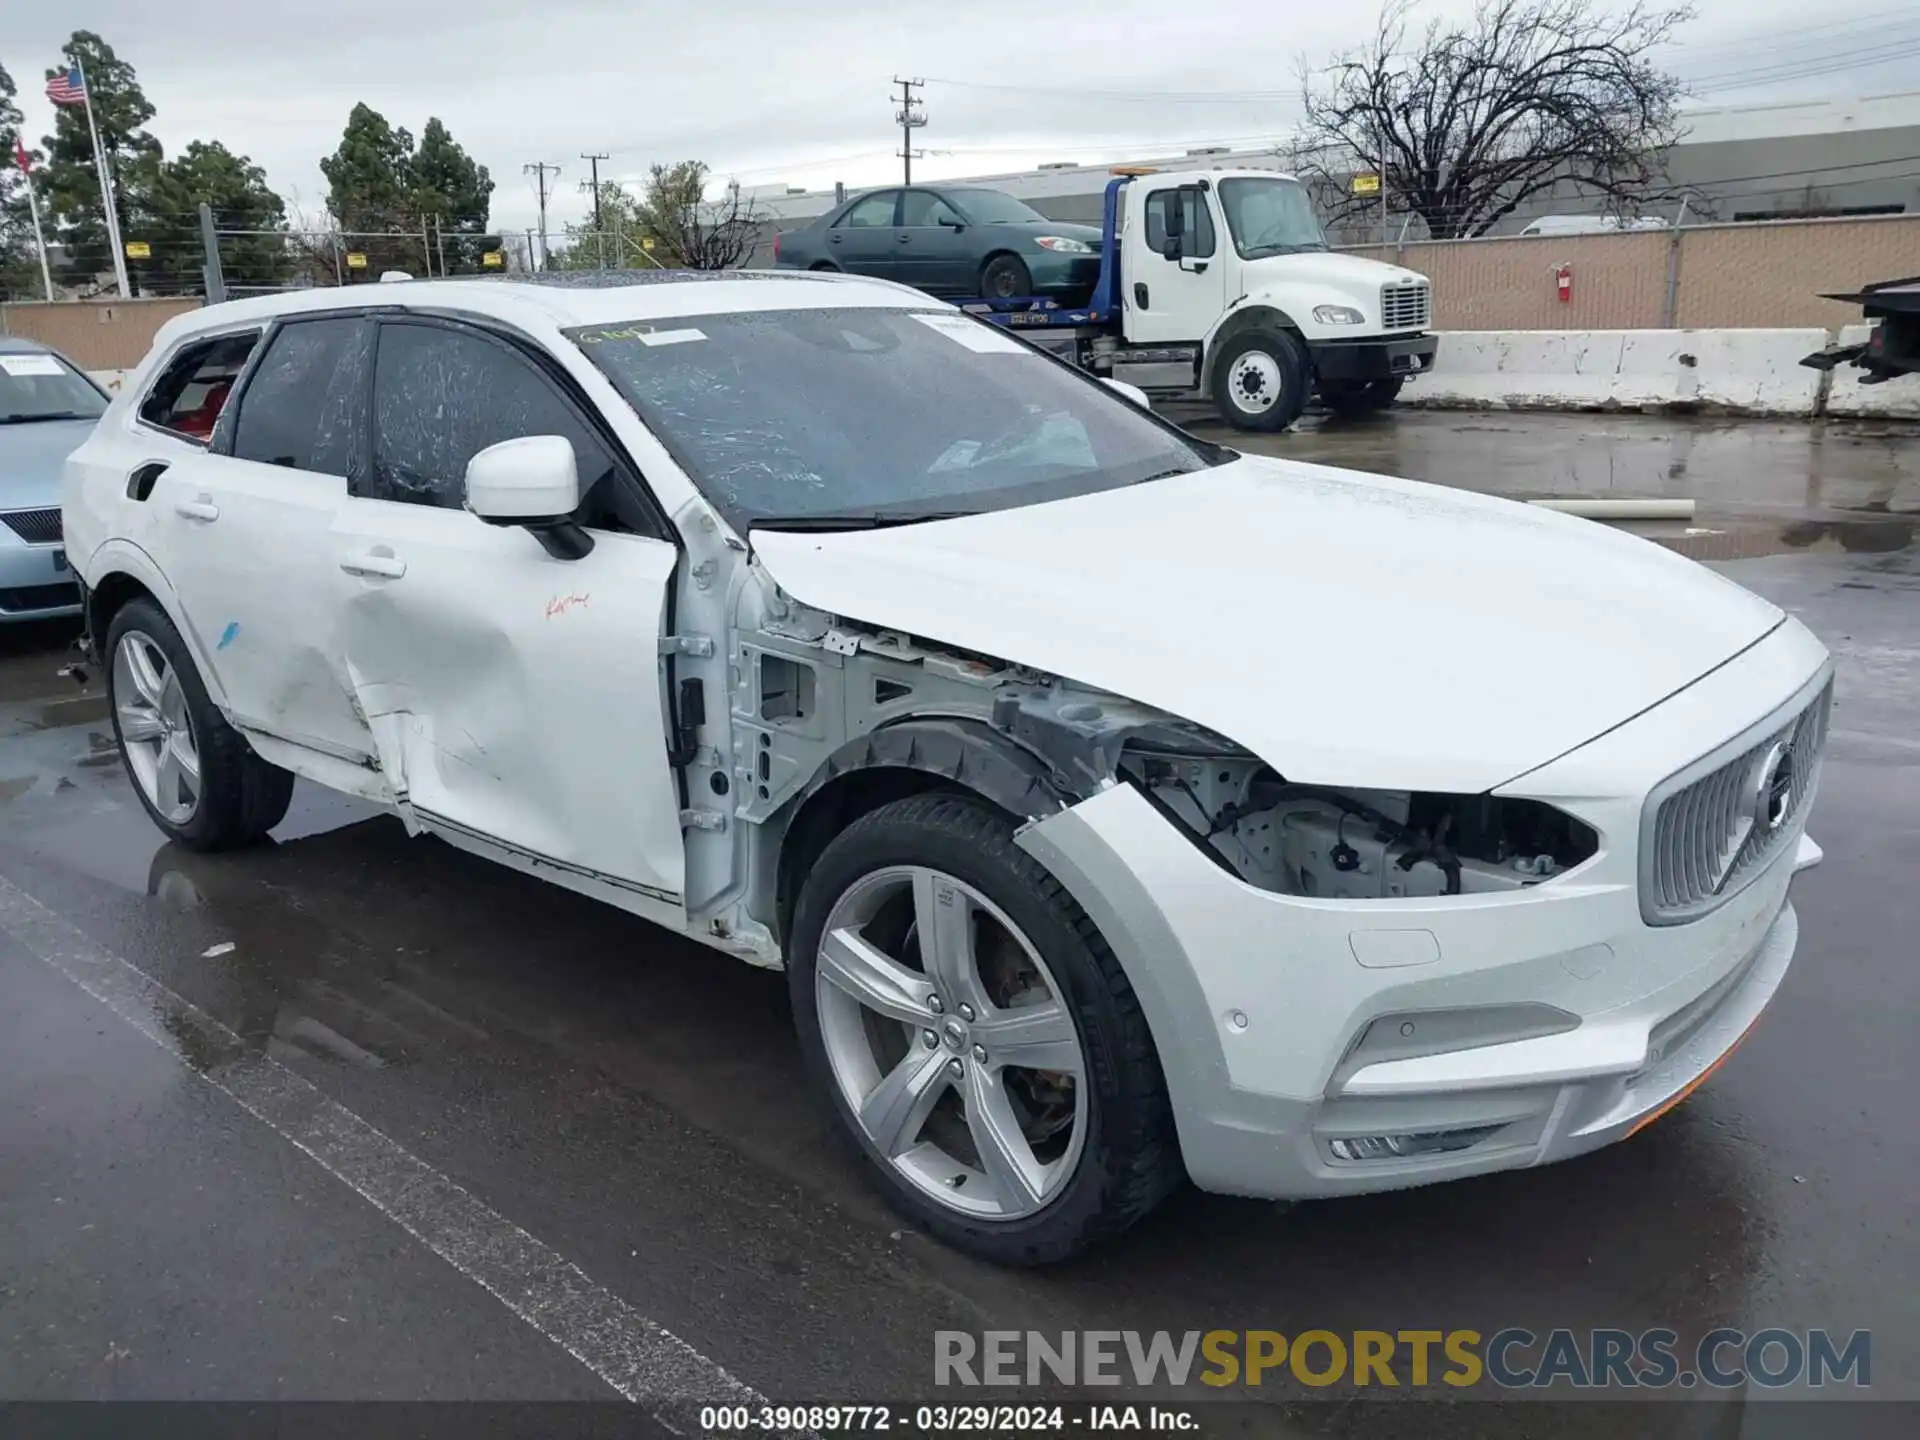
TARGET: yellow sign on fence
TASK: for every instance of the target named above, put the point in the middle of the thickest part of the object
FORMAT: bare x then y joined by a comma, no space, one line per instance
356,260
492,259
139,250
1366,185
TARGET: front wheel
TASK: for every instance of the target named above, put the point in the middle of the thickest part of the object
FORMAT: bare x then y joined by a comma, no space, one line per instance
1260,380
979,1043
194,773
1006,277
1359,397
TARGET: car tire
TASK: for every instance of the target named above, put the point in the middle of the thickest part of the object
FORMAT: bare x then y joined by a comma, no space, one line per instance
1359,397
1118,1159
195,774
1006,277
1260,380
823,265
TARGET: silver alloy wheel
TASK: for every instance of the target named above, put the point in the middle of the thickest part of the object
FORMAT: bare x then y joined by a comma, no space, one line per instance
1254,382
951,1042
156,732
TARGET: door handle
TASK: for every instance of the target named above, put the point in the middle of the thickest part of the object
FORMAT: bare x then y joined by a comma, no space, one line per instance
833,239
374,566
905,238
199,508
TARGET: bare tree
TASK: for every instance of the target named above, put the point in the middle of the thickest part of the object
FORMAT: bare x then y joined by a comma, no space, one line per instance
1466,122
690,231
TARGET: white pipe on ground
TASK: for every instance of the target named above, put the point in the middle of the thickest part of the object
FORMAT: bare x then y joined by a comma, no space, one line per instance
1621,509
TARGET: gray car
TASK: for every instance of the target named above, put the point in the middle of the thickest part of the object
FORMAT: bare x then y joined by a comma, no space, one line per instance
949,240
47,407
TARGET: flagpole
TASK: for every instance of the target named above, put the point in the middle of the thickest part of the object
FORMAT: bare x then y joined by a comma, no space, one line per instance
39,236
108,207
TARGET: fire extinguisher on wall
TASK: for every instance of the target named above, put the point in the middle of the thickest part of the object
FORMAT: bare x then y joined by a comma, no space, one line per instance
1563,283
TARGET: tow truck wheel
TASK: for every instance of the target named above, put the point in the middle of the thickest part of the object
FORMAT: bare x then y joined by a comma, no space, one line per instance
1260,380
1360,397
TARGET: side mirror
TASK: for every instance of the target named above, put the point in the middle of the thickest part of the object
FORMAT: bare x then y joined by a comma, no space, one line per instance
532,482
1132,392
1170,247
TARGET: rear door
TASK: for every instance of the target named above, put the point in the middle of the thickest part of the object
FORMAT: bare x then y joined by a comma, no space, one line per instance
242,527
866,235
936,246
516,699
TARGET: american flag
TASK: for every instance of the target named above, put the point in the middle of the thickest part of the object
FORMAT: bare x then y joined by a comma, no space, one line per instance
68,88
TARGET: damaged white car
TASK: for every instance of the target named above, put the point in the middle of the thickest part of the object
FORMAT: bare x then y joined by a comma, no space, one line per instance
1123,809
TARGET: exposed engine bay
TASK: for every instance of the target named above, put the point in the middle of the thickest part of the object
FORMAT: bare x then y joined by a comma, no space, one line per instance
816,696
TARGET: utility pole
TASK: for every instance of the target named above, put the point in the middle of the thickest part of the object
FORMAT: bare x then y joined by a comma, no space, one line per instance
910,117
539,170
599,227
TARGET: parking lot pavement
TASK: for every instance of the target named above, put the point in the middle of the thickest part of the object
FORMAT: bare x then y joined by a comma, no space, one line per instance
574,1130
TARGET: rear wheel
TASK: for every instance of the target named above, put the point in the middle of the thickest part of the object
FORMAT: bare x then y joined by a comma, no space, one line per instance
823,265
1006,277
1260,380
1359,397
977,1039
194,773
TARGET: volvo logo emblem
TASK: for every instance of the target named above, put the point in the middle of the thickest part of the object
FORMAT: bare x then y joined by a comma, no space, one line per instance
1773,788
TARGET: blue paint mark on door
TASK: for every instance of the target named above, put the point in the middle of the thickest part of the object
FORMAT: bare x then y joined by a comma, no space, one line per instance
227,635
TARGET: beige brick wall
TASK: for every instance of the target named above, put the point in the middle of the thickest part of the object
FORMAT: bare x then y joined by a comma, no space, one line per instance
1750,276
94,334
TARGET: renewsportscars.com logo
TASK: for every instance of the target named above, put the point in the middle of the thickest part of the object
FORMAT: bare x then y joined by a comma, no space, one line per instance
1512,1358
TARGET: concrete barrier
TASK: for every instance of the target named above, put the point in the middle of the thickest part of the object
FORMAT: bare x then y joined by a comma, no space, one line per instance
1749,372
1897,399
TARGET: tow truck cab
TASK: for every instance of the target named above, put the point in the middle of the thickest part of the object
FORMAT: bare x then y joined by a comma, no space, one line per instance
1219,284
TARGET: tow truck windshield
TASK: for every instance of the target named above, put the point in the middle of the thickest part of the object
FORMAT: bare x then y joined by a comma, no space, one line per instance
1270,217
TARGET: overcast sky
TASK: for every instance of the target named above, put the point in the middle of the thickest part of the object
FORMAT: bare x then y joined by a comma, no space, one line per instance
796,91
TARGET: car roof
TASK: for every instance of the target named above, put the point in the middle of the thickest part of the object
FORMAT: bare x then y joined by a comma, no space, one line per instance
563,299
21,345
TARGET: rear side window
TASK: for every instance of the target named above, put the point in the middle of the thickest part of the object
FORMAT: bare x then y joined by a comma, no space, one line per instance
872,211
193,389
1196,216
304,404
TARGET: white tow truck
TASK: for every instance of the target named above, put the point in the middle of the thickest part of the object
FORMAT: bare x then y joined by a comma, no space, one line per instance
1219,285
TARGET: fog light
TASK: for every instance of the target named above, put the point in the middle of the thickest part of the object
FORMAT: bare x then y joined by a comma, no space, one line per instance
1405,1147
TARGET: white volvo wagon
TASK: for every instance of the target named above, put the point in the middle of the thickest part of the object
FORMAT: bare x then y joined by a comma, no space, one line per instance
1123,809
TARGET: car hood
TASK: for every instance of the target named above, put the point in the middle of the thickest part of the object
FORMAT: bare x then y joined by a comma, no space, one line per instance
1348,629
31,457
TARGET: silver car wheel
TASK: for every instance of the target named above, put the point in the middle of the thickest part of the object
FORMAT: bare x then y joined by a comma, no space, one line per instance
156,731
951,1043
1255,382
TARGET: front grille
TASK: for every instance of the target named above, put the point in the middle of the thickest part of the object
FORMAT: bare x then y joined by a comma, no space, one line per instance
24,598
1716,825
36,527
1406,307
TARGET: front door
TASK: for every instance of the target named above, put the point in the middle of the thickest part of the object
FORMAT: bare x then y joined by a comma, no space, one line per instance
245,527
864,239
516,699
935,250
1173,300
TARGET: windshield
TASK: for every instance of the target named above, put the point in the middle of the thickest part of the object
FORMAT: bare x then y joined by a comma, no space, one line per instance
845,417
1270,217
37,386
994,207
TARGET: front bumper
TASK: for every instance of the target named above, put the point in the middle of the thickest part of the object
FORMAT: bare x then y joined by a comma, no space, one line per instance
1057,274
1374,358
1261,1003
35,581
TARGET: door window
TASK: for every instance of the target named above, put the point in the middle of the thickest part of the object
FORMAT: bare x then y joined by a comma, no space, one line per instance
190,392
442,394
923,207
1196,218
873,210
304,405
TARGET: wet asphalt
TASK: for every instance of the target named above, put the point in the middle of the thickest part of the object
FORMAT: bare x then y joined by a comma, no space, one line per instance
636,1103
